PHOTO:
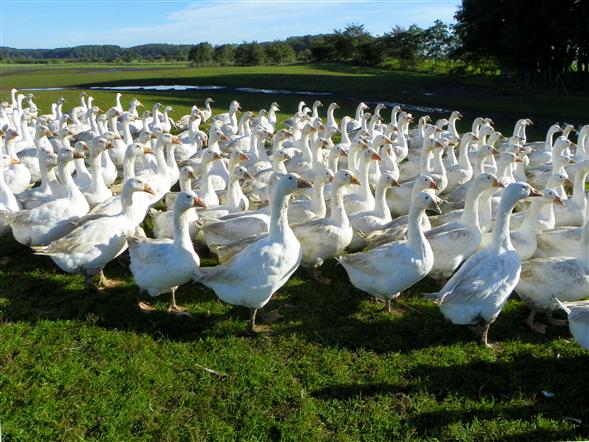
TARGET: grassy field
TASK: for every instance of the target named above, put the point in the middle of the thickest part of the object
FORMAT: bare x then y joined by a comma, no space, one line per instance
331,364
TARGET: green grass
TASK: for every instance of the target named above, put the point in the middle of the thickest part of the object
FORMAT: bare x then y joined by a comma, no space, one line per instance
330,365
473,96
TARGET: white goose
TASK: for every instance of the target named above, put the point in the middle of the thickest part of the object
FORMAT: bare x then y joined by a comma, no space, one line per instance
160,266
565,278
92,245
367,222
251,277
524,238
452,243
54,219
573,213
385,271
477,292
462,171
327,237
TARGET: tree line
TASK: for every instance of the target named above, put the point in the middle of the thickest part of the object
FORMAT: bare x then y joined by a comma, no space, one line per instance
537,43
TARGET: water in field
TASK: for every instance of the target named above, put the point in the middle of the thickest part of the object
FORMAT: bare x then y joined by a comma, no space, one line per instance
248,90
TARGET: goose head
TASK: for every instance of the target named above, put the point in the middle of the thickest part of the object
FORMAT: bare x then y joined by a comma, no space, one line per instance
81,146
557,180
48,157
241,173
209,100
274,107
426,200
281,155
187,173
339,151
486,181
99,145
333,106
209,156
550,196
455,116
237,156
68,154
137,185
518,190
186,200
369,155
134,150
290,182
234,106
323,176
168,109
424,182
344,177
388,180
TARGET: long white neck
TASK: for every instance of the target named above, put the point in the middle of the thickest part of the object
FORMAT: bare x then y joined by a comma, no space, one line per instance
381,209
470,214
181,230
528,226
278,216
501,239
318,200
305,148
344,131
338,210
365,192
463,159
579,187
98,184
415,237
127,137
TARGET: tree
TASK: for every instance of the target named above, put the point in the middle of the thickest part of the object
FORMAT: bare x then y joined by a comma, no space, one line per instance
437,41
201,54
406,45
279,52
250,54
539,42
224,54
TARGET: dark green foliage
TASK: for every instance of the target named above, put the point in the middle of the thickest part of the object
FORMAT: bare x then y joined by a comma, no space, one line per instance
250,54
545,43
224,54
201,54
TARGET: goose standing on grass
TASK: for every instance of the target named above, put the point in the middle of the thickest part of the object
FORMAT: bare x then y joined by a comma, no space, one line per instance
161,265
327,237
92,245
252,276
477,292
543,279
452,243
385,271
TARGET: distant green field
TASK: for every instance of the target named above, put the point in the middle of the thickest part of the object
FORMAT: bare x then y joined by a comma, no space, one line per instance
331,364
349,84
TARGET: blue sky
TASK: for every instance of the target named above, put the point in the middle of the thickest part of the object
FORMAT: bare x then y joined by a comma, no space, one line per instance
61,23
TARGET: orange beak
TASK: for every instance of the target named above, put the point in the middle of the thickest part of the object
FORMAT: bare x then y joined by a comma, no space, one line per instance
395,183
216,156
388,141
558,201
109,145
535,192
343,153
354,180
147,150
13,161
376,157
433,185
79,155
303,184
243,157
147,188
176,140
499,184
198,202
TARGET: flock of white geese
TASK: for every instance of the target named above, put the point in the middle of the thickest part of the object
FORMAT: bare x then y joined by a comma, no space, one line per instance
77,186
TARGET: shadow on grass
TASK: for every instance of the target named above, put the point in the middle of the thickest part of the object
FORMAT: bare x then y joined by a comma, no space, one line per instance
336,315
479,391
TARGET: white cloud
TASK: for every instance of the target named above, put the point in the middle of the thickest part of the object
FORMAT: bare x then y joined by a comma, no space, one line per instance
225,21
